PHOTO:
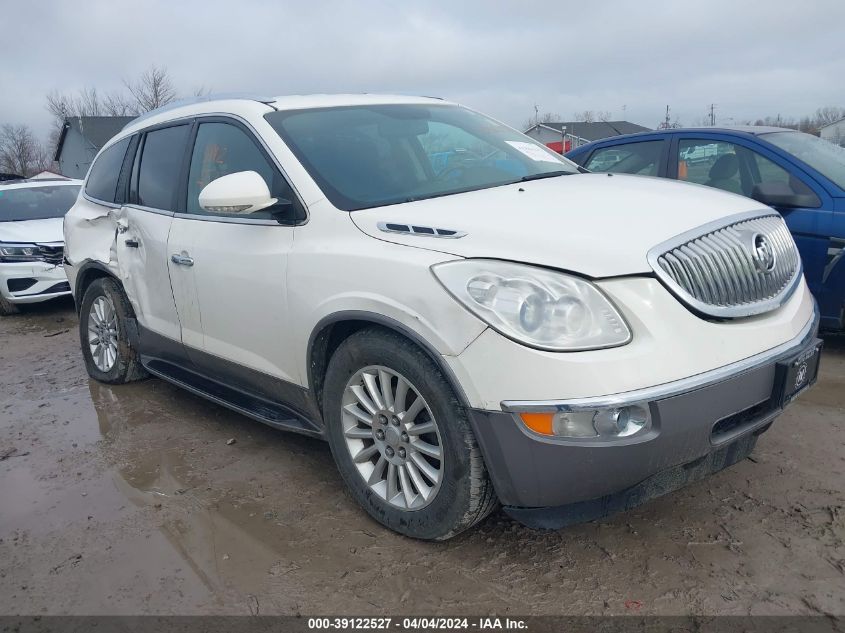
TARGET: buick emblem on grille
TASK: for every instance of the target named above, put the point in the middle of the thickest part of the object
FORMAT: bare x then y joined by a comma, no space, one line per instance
764,255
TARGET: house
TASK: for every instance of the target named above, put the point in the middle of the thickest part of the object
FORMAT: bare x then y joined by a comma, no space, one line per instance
578,133
834,132
80,140
47,175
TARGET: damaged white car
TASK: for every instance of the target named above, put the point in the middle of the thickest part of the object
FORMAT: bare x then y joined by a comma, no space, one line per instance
31,241
463,315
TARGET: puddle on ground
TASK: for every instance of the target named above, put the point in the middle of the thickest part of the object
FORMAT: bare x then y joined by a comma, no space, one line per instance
128,499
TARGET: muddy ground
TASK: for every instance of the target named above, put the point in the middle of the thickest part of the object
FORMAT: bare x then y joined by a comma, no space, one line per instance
128,500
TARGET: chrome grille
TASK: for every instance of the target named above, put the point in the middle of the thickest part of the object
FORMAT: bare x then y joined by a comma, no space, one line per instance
726,271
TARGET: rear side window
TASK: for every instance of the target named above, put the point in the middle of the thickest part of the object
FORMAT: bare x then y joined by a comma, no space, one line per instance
641,158
161,164
102,179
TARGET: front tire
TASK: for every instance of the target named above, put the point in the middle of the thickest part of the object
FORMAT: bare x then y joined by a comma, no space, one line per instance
7,308
103,334
402,440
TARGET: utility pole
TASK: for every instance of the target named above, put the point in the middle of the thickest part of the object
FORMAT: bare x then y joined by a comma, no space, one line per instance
536,114
712,115
666,123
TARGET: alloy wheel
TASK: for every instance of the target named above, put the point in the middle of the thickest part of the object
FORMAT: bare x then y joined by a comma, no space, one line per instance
392,437
102,333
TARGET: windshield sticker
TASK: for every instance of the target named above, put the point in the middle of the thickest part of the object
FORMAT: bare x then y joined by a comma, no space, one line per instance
532,151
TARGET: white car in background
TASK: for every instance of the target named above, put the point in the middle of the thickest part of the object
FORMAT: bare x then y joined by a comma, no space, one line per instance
31,241
462,327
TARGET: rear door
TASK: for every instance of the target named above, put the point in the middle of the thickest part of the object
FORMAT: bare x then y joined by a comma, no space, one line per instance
143,229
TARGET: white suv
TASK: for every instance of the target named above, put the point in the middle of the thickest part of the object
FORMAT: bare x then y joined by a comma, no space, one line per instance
465,317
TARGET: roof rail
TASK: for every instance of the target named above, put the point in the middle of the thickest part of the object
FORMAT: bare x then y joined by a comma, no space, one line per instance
201,99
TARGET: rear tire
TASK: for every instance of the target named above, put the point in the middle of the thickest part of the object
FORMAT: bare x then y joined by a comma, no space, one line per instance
386,451
103,333
7,308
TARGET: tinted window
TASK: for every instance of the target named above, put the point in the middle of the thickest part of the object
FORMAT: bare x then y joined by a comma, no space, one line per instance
711,163
102,179
221,149
641,158
36,203
161,162
368,156
733,168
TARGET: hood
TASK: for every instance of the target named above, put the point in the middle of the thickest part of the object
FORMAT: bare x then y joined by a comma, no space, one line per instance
593,224
32,231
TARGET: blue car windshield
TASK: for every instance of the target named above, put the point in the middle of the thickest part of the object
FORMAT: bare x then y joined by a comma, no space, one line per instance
823,156
373,155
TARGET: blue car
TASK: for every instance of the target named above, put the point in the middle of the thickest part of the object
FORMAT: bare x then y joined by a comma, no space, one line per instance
800,175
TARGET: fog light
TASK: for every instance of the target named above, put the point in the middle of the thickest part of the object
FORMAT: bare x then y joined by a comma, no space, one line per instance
620,422
599,423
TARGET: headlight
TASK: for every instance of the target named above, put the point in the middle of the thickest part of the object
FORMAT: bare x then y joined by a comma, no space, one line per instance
20,253
535,306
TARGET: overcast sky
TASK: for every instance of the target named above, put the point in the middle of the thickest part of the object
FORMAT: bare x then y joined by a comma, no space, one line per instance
630,58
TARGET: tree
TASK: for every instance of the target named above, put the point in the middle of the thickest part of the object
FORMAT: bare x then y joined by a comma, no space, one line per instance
827,115
152,89
546,117
586,116
20,151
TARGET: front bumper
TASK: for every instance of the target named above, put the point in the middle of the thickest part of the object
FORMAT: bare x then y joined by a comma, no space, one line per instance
31,282
699,425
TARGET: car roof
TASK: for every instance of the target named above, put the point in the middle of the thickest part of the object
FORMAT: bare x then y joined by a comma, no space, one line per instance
753,130
40,182
748,129
257,104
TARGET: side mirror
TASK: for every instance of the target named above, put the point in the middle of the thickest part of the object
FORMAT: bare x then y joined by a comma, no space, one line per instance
780,194
241,193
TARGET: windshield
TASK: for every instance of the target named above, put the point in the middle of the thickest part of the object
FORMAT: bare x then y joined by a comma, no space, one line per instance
374,155
36,203
823,156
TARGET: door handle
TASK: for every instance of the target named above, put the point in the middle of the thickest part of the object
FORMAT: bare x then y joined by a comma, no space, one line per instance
181,260
132,243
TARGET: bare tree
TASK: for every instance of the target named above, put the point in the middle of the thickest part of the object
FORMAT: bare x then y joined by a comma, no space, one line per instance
827,115
117,104
546,117
20,151
586,116
604,115
152,89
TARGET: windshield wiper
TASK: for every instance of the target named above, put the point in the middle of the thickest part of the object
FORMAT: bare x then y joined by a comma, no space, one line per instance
548,174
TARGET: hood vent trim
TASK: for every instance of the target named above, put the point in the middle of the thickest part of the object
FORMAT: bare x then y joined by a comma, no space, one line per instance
420,231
